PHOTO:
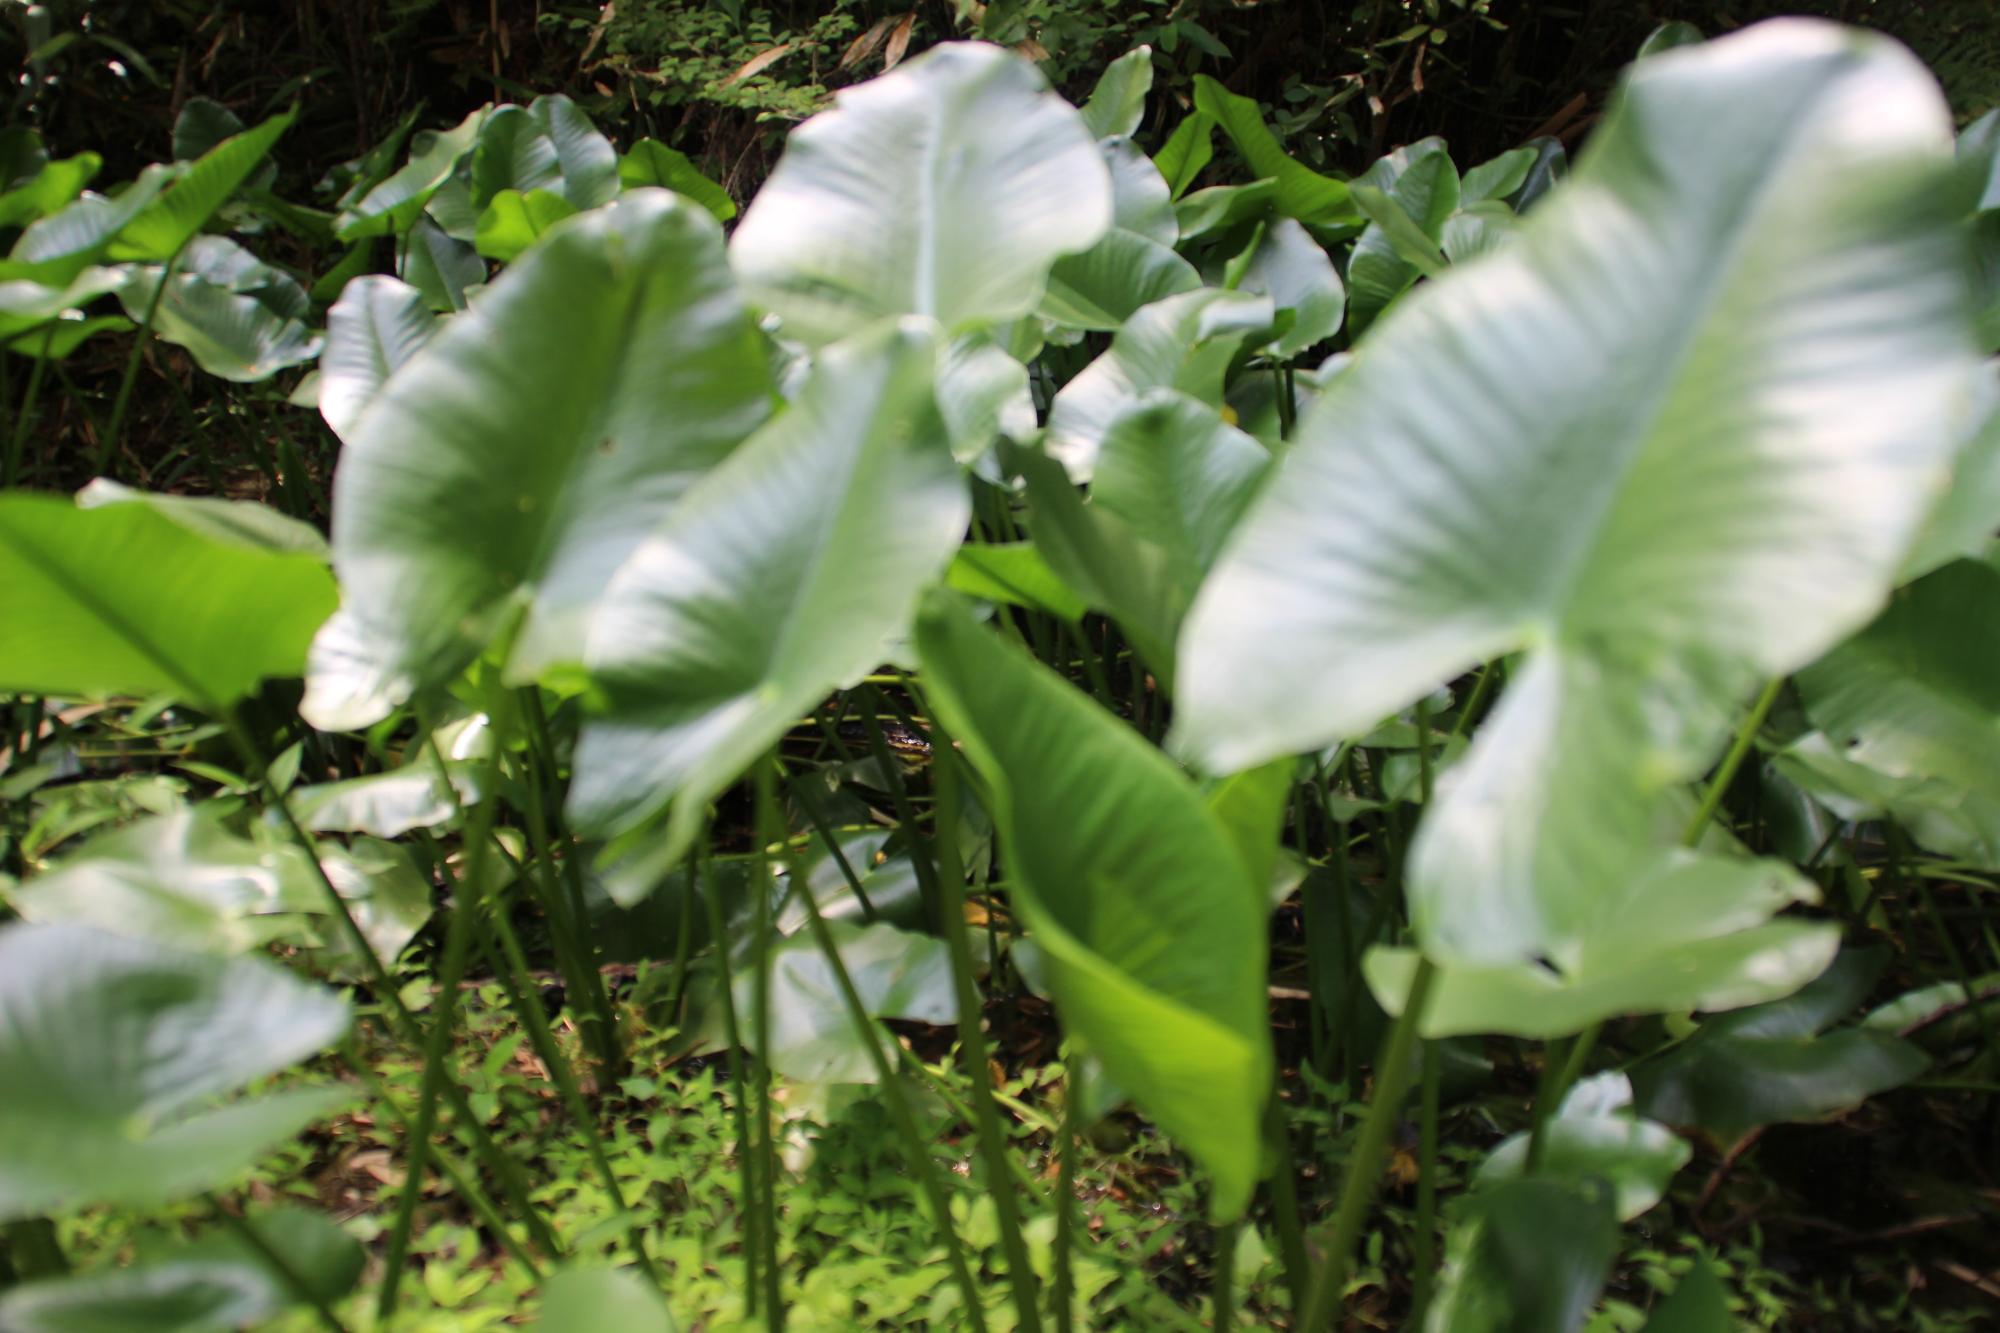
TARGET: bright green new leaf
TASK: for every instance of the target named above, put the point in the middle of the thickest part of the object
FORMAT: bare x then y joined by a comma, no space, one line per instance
50,188
945,188
512,463
1185,342
64,334
1118,103
1186,151
377,324
514,221
232,521
1635,442
112,1051
592,1300
171,220
1015,573
1302,192
651,162
1595,1135
122,599
55,249
1223,206
1153,934
788,571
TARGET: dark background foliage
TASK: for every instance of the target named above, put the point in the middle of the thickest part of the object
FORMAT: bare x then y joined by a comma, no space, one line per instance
723,79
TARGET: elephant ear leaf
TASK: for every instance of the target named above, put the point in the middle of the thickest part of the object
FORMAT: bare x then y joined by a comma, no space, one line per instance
1117,866
1650,462
515,459
946,188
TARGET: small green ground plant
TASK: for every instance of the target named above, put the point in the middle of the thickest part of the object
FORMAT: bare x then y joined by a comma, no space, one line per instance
955,753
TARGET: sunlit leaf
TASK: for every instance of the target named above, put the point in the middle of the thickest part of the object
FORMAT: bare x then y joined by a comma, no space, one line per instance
550,146
242,319
650,162
945,188
1118,103
1302,193
122,599
786,573
1595,1135
898,974
171,220
515,461
377,324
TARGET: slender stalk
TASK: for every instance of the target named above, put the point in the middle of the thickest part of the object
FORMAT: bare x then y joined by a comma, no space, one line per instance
915,1145
1225,1275
437,1046
568,921
1065,1280
17,442
810,804
107,449
972,1039
1285,1201
768,832
299,1287
544,1042
1718,787
1425,1249
1364,1168
396,1015
738,1096
1424,751
1482,685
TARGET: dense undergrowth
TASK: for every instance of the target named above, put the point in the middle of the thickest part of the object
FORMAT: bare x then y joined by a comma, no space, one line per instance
1441,718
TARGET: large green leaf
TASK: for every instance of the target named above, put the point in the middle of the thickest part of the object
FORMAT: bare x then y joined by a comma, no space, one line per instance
396,203
1290,267
945,188
549,145
1118,102
1185,342
897,974
1646,441
52,186
1527,1256
55,249
1595,1135
123,599
650,162
1913,700
514,221
378,323
171,220
242,319
1302,192
1408,196
787,572
113,1050
515,461
1153,934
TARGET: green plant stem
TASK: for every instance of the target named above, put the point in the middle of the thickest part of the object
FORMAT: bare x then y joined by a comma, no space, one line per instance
396,1015
17,440
915,1146
1064,1278
972,1038
768,832
437,1044
568,919
1424,1255
810,804
1424,751
543,1040
107,449
1739,748
1224,1315
1364,1168
899,798
1285,1199
1482,685
738,1096
301,1290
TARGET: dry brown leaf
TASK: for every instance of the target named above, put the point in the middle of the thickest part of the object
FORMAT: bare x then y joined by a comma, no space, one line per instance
899,42
865,45
758,63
